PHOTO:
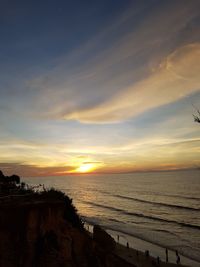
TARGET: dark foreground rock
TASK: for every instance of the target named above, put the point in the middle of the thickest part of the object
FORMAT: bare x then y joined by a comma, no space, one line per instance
36,232
103,239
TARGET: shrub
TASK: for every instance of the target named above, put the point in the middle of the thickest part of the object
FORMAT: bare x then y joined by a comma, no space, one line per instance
70,212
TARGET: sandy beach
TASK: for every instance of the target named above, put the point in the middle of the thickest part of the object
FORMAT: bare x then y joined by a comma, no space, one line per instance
136,244
139,258
135,253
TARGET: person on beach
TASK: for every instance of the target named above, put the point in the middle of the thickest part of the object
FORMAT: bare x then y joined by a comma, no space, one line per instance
127,245
158,261
166,252
147,253
178,260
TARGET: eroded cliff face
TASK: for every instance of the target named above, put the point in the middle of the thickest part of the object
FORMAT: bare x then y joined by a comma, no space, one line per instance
37,234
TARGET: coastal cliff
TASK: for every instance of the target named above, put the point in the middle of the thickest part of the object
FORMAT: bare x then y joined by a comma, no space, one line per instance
38,232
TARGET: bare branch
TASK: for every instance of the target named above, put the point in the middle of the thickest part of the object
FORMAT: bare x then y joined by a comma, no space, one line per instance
197,117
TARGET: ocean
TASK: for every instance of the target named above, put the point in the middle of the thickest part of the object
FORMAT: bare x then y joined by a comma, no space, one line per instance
148,210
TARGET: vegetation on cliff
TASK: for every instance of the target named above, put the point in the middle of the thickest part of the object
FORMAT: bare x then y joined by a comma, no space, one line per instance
70,213
10,187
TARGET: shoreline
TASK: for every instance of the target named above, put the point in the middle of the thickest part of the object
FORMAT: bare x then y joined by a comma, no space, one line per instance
140,245
155,249
139,259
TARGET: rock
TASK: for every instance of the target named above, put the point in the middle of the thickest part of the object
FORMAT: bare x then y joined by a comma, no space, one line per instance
103,238
35,233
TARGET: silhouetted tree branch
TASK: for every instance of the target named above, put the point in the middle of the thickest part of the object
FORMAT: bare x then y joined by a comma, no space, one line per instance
197,117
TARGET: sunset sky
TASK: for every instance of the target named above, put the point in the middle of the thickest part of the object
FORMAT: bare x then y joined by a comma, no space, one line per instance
99,86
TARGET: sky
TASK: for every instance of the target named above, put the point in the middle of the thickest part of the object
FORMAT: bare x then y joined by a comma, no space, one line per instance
104,86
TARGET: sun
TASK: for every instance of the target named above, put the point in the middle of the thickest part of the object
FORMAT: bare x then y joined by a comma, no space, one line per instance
86,167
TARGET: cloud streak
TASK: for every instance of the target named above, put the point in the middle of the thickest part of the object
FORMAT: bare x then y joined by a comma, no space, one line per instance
33,170
177,77
152,63
112,98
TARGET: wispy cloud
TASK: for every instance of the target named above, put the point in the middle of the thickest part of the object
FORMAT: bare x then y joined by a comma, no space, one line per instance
113,100
152,63
177,77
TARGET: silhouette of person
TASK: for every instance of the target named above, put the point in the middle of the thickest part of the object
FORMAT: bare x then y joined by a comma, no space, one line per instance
127,245
166,252
158,261
147,253
178,259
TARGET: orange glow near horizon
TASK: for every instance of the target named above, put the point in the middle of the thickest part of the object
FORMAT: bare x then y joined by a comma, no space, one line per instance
85,168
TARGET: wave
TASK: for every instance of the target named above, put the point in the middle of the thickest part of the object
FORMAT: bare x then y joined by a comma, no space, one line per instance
175,196
120,230
153,193
194,226
115,220
157,203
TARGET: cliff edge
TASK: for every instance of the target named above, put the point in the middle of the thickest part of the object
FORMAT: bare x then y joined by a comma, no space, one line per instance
43,229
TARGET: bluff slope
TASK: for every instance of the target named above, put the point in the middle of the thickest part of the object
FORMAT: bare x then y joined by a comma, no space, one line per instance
37,231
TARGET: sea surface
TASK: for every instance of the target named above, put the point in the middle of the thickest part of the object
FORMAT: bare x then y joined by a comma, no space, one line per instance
162,208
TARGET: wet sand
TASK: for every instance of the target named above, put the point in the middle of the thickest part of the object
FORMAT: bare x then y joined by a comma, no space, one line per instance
139,258
154,250
135,254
